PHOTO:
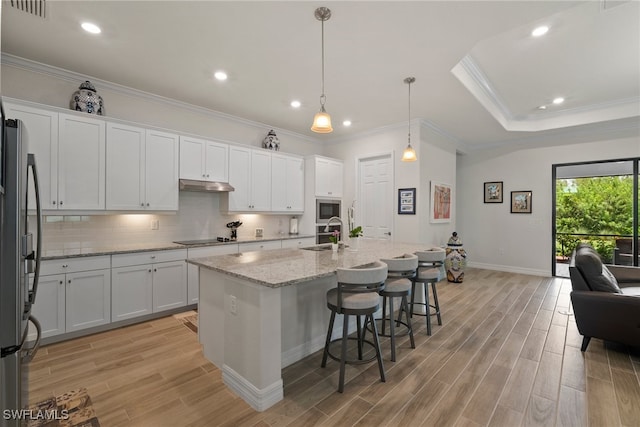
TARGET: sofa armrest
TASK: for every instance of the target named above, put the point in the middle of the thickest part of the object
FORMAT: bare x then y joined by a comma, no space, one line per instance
625,274
612,317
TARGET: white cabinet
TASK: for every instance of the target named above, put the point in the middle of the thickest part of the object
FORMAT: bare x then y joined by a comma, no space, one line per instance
142,169
49,308
203,160
81,163
298,243
148,282
287,184
73,294
260,246
193,271
250,175
328,176
41,133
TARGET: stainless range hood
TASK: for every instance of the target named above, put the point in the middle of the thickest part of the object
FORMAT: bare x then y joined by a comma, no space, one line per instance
205,186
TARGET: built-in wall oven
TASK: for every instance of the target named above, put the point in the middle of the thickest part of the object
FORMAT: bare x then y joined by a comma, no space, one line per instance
325,209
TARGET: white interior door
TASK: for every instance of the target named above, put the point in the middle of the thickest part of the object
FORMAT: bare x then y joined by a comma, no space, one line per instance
374,210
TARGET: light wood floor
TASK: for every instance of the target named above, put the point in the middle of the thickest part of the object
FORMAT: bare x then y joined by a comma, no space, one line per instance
507,355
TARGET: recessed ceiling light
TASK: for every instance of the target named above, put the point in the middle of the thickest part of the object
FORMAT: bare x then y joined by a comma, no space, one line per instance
91,28
295,104
558,100
542,107
220,75
540,31
346,123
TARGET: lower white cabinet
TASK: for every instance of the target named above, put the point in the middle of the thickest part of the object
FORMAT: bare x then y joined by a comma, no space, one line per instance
193,271
49,308
88,299
260,246
298,243
148,282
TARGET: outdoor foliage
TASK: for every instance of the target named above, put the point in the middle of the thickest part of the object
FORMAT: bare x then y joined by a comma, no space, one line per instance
600,205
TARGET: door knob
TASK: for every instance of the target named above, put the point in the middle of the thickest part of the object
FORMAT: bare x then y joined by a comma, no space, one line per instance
388,233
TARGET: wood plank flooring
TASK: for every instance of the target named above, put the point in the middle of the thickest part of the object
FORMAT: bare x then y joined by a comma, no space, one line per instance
507,354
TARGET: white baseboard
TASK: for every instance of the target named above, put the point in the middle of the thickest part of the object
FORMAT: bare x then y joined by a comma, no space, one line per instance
258,399
510,269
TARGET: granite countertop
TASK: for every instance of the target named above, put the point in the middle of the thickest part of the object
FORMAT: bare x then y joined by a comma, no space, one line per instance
94,250
284,267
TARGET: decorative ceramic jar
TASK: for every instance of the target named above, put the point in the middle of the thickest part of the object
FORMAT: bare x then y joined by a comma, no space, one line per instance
271,141
456,259
86,99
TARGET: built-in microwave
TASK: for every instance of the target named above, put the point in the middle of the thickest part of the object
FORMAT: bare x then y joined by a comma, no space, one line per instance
326,208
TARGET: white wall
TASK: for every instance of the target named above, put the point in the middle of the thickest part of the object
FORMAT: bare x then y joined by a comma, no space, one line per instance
436,161
497,239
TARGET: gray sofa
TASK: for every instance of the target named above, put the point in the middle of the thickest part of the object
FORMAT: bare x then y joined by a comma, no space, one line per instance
605,299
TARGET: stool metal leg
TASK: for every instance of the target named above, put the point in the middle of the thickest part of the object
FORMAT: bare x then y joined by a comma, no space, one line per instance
343,358
376,342
405,307
435,302
392,328
359,336
325,355
426,307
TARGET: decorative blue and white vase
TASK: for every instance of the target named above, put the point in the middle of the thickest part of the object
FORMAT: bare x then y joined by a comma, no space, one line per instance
271,141
456,260
86,99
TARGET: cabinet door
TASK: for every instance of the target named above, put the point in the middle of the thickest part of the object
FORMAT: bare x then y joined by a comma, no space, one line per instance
169,285
260,246
81,163
279,185
216,164
41,132
295,185
131,292
322,177
49,307
335,179
298,243
125,167
88,299
192,158
260,181
161,165
240,178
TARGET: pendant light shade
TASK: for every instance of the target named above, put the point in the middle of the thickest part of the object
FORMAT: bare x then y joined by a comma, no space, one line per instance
322,120
409,154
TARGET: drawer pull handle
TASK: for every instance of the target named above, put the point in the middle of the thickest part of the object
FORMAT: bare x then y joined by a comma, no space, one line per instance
65,265
153,257
149,270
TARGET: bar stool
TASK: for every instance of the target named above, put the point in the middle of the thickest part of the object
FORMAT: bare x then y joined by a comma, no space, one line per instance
429,265
399,281
356,295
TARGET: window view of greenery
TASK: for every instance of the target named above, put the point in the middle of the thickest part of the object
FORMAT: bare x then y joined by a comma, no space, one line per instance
594,210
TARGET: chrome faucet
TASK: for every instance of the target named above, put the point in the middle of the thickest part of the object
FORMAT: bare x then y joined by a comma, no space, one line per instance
335,218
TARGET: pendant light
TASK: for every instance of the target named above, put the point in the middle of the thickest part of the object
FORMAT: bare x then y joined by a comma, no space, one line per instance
322,120
409,154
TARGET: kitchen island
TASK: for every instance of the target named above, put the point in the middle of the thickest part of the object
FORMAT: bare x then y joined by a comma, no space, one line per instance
262,311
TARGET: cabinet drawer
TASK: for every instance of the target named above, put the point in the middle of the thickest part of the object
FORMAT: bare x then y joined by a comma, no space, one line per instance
139,258
260,246
206,251
298,243
72,265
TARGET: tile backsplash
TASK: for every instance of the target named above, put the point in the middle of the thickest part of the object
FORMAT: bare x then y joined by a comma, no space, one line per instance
199,217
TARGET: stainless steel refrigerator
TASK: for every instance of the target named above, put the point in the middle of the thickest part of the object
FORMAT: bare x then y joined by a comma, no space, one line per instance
19,258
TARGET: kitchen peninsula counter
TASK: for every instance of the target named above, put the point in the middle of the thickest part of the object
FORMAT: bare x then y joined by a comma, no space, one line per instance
262,311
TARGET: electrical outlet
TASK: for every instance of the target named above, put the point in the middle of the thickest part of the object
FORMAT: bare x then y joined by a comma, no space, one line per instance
233,304
500,251
155,224
259,232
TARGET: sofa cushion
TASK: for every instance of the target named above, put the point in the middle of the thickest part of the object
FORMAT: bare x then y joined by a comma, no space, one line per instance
597,275
633,291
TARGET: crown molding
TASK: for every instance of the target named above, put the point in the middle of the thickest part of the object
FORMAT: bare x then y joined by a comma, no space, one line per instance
74,77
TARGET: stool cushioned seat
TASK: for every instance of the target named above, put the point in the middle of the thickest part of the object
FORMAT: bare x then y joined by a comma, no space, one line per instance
353,301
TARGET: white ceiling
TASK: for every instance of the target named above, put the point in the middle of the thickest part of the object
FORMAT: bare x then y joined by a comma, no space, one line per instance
480,76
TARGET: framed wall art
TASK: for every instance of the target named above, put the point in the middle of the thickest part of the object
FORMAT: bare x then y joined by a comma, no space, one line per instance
493,192
406,201
521,201
441,198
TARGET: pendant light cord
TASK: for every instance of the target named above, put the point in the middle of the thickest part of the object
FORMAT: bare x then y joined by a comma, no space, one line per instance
322,97
409,121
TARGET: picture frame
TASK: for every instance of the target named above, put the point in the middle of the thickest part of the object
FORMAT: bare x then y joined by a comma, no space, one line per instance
406,201
493,192
441,200
521,201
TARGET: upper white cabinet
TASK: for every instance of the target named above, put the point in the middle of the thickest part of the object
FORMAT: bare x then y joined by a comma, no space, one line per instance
250,175
81,163
203,160
328,175
142,169
287,184
41,133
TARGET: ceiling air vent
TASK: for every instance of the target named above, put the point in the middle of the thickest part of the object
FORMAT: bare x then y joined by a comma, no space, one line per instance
33,7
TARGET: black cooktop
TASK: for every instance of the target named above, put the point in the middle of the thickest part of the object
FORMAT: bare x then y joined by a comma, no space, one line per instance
203,241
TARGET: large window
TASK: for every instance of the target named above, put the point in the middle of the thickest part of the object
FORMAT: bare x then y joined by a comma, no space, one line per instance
596,203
